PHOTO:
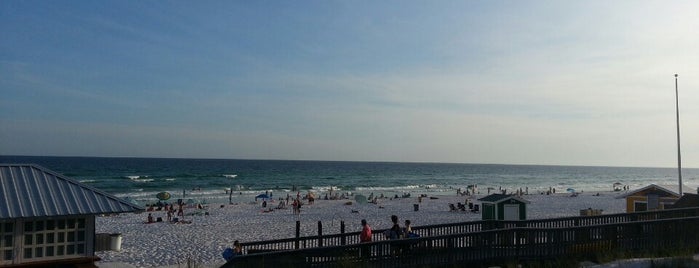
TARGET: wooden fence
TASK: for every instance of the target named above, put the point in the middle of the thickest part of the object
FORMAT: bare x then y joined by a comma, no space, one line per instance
344,238
519,243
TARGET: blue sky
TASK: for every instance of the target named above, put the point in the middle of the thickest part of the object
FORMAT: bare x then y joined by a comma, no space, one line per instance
521,82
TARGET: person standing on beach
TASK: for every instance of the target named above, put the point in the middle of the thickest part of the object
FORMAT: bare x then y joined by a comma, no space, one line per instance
297,206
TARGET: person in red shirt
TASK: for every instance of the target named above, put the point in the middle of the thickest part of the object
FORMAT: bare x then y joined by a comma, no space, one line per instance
365,237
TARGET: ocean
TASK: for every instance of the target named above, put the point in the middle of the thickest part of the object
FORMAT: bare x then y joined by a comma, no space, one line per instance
209,179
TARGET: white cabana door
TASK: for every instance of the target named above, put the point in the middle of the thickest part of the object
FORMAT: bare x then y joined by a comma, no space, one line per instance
511,212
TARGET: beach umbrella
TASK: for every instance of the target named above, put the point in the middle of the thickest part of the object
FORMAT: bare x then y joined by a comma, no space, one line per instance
163,195
617,184
262,196
360,199
570,190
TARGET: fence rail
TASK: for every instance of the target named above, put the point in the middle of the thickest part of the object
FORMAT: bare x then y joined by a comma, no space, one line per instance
496,246
464,227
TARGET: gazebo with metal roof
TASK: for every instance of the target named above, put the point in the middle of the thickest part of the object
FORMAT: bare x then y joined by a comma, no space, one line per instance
47,219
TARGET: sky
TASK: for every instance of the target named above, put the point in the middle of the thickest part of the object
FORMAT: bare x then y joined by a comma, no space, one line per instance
505,82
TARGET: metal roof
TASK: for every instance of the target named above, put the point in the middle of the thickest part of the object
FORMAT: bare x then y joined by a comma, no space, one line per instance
673,190
28,190
497,198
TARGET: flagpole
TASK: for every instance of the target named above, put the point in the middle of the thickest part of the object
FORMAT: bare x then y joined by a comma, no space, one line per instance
679,156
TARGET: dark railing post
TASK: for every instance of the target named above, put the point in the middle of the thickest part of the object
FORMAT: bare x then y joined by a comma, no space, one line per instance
320,233
342,231
431,242
298,233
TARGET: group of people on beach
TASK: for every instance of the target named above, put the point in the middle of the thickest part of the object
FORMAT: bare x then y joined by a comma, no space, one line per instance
296,203
170,212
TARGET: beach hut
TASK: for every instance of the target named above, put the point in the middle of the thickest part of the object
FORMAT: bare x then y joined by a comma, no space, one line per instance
651,197
504,207
48,220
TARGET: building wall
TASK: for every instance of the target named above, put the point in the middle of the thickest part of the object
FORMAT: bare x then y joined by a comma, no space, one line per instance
501,209
46,239
632,200
7,245
488,211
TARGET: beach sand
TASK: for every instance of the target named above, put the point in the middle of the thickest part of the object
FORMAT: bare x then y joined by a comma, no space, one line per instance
163,244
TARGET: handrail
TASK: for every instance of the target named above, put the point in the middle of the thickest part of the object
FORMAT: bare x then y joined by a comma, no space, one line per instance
467,227
496,246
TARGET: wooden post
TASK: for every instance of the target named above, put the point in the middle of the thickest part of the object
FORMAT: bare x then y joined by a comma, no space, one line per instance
320,234
342,231
298,233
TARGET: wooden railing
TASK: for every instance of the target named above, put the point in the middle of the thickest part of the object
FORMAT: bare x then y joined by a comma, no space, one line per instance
496,247
464,227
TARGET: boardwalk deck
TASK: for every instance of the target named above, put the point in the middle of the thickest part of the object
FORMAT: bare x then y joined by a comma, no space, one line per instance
490,242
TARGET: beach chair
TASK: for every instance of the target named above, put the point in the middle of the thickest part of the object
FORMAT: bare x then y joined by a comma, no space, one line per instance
461,207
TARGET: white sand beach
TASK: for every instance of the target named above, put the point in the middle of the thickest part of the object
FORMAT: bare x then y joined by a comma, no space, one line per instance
163,244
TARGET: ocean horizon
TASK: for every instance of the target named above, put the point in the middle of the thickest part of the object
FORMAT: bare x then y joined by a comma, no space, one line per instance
141,178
